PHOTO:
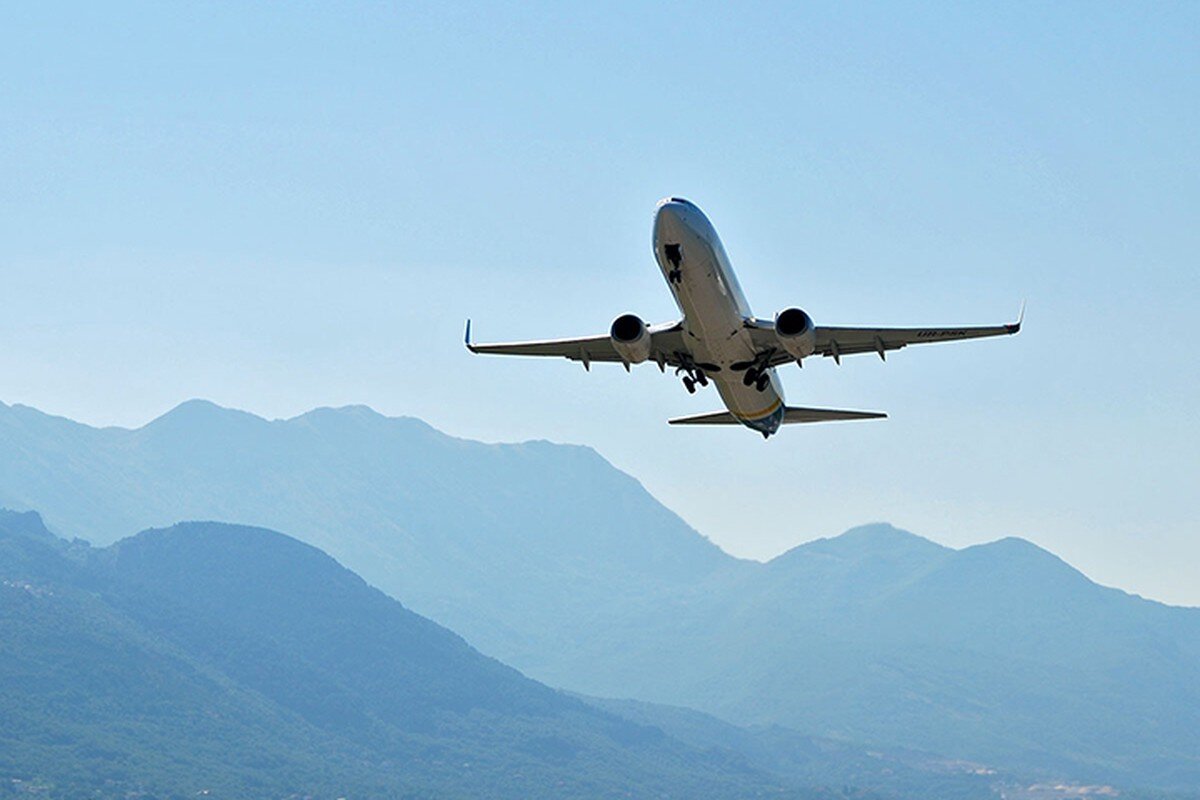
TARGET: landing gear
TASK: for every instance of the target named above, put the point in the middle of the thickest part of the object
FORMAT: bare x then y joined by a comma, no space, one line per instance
693,373
756,371
759,379
692,378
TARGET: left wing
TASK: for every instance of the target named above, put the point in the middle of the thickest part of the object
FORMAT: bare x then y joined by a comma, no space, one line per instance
835,342
666,346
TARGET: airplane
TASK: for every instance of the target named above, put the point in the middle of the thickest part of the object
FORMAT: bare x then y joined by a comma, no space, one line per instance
720,341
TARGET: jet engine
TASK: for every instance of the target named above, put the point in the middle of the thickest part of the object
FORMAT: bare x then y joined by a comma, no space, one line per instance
796,333
630,338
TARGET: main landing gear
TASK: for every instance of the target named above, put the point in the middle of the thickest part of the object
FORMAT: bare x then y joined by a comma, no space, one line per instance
692,378
756,371
693,373
761,380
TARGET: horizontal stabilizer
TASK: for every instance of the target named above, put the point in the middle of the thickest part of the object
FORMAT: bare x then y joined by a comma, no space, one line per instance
792,415
717,418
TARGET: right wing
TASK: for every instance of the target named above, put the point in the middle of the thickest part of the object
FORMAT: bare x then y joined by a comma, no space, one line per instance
666,346
835,342
838,342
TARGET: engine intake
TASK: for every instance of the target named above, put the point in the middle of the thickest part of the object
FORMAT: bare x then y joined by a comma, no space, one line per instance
796,333
630,338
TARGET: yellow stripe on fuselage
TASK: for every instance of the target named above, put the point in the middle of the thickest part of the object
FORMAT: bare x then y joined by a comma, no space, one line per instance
756,416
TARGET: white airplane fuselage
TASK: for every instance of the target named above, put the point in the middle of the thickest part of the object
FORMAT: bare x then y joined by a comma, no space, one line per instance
715,311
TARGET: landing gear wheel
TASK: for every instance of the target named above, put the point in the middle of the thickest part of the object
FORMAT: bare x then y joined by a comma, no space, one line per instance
701,379
763,381
750,376
690,385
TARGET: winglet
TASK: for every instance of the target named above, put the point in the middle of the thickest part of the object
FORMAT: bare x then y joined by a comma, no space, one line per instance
467,337
1016,326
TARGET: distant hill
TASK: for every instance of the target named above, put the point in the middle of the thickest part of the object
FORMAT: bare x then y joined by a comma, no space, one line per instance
999,653
482,538
551,560
237,662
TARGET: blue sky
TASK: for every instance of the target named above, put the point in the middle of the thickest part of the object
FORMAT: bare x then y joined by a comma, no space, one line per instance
284,206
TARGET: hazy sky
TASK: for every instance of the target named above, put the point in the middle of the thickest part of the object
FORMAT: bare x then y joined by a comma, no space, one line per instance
292,205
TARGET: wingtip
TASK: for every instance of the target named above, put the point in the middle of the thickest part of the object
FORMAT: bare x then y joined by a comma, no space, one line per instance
467,337
1016,326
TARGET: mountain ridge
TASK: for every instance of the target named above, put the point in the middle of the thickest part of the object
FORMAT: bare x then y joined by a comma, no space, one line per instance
549,559
873,532
222,660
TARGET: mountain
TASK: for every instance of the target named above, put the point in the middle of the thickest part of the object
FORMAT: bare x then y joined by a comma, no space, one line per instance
230,661
482,538
551,560
999,653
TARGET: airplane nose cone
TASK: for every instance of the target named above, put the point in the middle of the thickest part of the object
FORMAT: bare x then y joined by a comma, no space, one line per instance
668,218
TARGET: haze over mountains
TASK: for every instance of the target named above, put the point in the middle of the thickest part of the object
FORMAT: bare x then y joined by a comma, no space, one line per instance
547,558
228,661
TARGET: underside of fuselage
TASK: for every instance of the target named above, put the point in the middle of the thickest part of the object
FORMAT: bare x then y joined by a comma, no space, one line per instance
715,313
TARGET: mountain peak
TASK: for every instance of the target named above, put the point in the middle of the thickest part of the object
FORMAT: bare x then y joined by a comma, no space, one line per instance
359,413
24,523
197,412
196,407
876,539
1017,556
877,535
355,410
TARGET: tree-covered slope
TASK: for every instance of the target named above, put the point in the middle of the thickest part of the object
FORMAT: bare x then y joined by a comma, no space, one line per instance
241,662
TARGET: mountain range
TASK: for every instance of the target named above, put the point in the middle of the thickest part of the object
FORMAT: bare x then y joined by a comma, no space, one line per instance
549,559
219,660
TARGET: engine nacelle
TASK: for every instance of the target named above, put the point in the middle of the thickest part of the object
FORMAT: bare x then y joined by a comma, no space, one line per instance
796,333
630,338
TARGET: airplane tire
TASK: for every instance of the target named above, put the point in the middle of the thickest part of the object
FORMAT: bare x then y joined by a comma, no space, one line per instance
690,385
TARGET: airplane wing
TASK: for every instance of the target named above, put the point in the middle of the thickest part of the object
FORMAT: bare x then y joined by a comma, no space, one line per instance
666,346
835,342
